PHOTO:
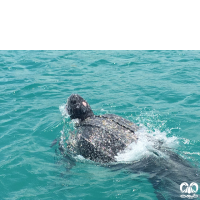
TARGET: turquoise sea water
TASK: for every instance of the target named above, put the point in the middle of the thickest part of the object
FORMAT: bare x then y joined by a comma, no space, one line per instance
159,90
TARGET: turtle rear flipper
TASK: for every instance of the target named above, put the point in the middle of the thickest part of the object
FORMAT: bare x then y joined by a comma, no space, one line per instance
53,143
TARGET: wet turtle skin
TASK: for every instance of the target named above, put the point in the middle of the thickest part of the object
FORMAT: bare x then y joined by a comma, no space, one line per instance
98,138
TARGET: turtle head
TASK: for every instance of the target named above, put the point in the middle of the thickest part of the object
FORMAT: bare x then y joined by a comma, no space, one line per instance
78,108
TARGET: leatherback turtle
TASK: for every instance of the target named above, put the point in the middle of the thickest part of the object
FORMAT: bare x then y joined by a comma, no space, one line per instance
99,137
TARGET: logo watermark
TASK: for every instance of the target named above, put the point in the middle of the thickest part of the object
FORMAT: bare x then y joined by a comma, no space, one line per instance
189,189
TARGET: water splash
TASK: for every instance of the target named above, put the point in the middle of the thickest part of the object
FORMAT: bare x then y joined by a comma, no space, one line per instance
63,111
147,144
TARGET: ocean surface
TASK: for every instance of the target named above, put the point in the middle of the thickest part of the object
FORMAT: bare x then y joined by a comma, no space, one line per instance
157,90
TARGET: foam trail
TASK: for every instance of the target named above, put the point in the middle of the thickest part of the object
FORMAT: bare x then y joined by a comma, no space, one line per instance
146,145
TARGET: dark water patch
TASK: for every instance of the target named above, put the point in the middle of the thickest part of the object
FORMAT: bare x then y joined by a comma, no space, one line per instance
100,62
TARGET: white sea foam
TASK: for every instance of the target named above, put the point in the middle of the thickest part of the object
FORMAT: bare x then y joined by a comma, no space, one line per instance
63,111
146,145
